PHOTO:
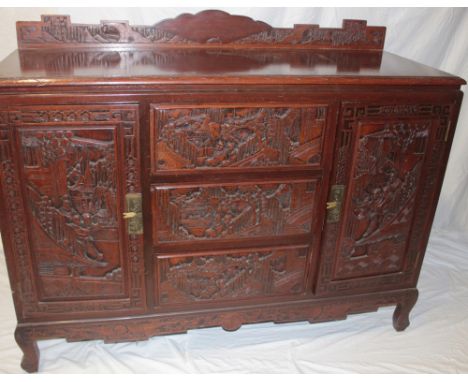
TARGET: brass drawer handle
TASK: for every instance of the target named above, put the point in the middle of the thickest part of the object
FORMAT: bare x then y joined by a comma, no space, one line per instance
337,193
129,215
134,215
331,205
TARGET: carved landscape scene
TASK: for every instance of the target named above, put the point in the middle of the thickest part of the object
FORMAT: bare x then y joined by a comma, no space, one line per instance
71,186
191,138
241,274
383,187
233,210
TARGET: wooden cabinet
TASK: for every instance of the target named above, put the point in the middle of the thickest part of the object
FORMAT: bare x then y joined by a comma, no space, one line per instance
158,179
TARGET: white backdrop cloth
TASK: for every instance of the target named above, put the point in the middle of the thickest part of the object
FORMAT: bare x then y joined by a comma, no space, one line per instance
436,341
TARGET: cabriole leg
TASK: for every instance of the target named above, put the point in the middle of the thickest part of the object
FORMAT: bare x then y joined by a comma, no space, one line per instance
28,345
403,309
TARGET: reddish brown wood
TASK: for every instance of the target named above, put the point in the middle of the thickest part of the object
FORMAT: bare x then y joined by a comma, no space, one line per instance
153,68
28,345
232,211
75,164
235,152
230,275
386,165
210,28
403,309
208,61
144,327
388,157
241,137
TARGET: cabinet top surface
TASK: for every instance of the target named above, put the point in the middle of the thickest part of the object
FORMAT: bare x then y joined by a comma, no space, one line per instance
169,66
210,47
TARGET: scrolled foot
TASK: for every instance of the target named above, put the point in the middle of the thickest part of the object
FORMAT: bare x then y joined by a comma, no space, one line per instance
30,361
403,309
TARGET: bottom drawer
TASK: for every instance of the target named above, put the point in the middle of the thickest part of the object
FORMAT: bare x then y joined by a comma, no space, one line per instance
234,274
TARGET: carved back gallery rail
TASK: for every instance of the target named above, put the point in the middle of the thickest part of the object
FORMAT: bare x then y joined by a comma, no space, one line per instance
212,170
207,29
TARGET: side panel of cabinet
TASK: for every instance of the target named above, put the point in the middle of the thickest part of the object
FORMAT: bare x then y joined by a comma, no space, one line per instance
65,173
389,160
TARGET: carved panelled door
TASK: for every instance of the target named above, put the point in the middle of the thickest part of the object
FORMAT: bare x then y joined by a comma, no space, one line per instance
64,199
386,174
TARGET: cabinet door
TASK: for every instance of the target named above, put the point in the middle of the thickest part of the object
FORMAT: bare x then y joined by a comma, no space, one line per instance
389,160
65,171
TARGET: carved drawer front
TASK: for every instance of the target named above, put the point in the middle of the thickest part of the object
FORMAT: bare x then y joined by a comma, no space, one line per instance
215,137
232,210
76,163
227,275
388,162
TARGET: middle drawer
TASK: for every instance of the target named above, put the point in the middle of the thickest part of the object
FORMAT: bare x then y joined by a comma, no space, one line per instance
208,212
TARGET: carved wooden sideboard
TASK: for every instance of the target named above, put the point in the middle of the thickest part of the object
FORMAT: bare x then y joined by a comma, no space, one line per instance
212,170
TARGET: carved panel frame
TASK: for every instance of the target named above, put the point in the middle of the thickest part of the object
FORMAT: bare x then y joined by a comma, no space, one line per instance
126,121
440,114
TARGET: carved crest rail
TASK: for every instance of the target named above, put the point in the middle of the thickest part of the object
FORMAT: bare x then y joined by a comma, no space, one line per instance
208,29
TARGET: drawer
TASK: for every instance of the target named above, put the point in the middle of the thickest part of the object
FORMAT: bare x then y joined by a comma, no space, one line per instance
209,212
227,275
213,137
